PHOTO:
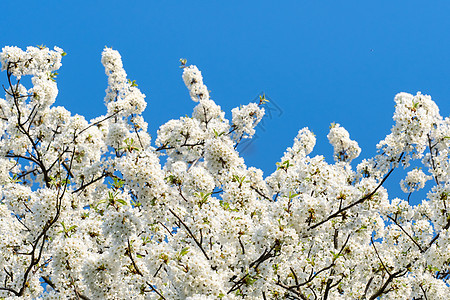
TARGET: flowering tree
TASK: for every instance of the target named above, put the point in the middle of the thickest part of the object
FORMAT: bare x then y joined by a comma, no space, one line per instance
88,210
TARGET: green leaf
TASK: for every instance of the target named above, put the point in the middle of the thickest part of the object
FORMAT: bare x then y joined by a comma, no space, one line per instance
183,62
14,179
129,145
121,201
184,251
135,203
262,99
132,83
292,195
284,165
118,183
100,202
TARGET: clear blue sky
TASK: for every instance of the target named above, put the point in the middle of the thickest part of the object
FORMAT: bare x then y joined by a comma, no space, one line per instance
319,61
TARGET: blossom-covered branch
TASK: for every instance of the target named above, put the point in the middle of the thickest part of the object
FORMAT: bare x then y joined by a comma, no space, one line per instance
95,210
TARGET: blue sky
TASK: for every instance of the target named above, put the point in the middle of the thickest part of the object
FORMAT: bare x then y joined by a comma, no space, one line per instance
318,61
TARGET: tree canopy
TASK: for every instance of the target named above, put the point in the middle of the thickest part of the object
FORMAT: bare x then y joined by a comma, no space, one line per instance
94,210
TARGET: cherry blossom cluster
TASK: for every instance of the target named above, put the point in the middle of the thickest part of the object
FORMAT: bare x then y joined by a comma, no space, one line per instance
93,210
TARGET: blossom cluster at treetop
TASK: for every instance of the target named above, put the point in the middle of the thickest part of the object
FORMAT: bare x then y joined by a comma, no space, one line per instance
94,210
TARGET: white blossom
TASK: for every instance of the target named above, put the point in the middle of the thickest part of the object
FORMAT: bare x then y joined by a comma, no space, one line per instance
345,149
94,211
414,181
